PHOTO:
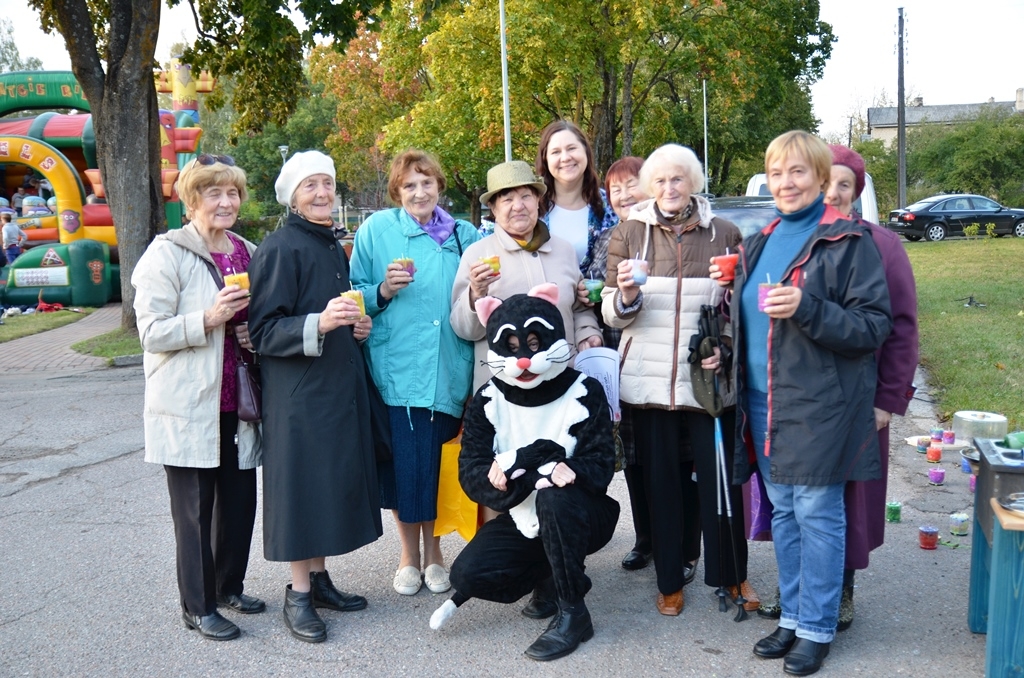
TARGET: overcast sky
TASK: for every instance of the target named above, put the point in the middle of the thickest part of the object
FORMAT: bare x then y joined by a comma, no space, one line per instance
957,52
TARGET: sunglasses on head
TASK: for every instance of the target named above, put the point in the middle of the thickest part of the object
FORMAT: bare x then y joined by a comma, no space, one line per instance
207,159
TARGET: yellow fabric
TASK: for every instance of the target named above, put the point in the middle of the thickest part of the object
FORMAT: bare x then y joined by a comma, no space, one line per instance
455,511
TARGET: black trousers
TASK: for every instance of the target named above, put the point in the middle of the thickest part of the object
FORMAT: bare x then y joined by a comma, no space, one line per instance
501,565
663,450
638,503
214,510
719,542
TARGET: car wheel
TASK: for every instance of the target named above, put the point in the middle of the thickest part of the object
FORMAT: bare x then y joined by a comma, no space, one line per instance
912,238
935,232
1018,229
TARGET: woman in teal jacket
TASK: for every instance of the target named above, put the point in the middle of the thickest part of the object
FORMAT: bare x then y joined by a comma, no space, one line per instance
404,261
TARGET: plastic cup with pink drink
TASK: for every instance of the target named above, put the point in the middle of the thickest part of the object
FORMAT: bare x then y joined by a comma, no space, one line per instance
762,293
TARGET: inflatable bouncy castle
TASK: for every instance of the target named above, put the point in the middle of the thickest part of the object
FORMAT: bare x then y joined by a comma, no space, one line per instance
56,153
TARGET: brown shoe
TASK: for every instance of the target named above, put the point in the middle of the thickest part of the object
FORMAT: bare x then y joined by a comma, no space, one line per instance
753,602
670,605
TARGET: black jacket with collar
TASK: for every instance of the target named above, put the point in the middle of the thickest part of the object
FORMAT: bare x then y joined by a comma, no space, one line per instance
821,363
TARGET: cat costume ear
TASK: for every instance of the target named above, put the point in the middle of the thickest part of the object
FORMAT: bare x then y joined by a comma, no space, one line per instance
485,306
546,291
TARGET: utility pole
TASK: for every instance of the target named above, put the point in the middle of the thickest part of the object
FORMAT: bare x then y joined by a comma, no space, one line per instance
901,125
849,134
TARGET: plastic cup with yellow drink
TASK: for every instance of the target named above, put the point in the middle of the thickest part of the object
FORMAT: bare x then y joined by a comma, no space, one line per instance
494,261
356,296
240,279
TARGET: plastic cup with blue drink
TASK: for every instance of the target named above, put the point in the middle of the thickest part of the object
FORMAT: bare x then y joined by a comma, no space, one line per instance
638,269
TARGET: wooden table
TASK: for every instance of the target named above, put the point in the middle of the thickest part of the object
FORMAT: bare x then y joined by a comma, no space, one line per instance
996,604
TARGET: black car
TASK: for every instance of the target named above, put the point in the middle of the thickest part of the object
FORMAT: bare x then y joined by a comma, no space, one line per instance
749,213
939,216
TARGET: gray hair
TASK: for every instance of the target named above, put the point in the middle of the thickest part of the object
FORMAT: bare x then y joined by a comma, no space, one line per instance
673,155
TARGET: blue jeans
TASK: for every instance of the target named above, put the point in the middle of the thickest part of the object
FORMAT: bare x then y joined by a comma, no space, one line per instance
809,531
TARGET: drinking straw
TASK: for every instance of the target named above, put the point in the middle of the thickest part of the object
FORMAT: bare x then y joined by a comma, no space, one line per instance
769,276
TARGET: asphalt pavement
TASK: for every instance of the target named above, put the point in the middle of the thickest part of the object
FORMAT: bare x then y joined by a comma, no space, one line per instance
88,583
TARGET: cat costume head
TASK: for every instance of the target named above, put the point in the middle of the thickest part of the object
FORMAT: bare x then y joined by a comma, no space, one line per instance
525,337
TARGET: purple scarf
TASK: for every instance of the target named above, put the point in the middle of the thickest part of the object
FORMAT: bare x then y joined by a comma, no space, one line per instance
440,226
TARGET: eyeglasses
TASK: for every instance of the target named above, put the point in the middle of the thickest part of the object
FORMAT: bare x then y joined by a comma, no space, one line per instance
207,159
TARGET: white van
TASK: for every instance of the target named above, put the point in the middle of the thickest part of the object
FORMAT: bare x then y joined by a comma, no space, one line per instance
866,205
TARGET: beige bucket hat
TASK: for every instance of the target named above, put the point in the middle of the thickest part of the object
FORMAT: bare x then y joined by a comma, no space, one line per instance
510,175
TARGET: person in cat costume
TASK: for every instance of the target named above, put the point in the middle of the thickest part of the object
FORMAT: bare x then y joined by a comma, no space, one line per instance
536,445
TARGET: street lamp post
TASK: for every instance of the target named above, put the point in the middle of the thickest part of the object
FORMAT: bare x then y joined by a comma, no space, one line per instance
283,150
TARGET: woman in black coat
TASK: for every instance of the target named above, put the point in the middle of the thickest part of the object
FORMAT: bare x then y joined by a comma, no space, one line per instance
320,495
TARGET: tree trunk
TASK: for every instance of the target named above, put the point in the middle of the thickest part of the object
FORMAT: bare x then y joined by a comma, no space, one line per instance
627,109
604,118
125,117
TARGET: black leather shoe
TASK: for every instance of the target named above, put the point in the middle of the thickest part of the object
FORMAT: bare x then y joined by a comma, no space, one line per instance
301,618
636,560
543,603
566,631
776,645
242,603
805,658
212,626
689,572
325,595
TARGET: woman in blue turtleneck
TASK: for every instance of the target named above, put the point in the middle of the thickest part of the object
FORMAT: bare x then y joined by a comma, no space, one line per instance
805,371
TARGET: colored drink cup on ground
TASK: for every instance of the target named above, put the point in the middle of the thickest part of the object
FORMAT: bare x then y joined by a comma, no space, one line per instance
594,288
356,296
893,511
726,264
936,476
407,264
494,261
240,279
934,454
928,537
965,465
972,482
936,432
958,524
638,271
762,294
923,443
948,437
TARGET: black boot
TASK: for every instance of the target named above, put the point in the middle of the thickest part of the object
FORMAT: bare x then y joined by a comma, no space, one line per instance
542,603
566,631
301,618
325,595
805,657
212,626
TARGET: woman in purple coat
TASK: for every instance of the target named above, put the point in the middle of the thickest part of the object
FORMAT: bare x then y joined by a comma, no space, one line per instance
896,359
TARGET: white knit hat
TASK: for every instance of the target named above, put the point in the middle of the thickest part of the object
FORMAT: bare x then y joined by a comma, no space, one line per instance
298,167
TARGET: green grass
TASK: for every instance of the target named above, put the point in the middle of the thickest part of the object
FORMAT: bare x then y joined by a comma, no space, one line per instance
112,344
975,356
19,326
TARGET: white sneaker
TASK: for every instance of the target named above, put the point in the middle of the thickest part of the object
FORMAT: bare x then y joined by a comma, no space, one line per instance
436,578
407,581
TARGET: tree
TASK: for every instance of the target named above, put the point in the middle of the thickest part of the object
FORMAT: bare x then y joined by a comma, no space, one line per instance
10,57
627,71
256,41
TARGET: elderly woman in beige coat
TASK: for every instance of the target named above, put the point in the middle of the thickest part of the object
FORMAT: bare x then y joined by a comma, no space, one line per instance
192,327
667,243
520,254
